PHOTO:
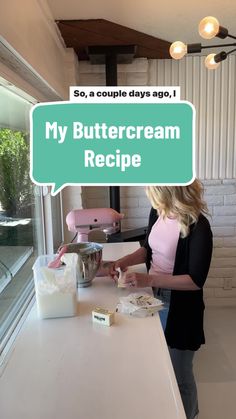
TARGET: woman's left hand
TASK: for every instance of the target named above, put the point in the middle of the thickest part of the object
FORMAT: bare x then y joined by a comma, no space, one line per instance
136,279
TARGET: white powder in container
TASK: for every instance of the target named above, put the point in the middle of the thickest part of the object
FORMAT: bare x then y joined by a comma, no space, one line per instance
56,292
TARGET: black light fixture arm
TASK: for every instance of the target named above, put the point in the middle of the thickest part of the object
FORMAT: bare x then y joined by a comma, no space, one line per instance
232,50
194,48
231,36
219,45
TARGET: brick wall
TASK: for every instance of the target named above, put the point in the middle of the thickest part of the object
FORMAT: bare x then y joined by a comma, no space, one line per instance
135,74
220,196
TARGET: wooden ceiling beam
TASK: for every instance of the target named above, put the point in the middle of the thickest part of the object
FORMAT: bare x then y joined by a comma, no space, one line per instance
80,34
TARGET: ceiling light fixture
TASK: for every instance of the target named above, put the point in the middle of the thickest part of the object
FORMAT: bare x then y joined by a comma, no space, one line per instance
208,28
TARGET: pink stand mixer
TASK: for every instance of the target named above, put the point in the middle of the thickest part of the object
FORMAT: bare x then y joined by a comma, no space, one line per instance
82,221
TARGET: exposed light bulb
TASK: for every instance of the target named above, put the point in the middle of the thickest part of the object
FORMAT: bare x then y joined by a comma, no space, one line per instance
178,50
209,27
210,62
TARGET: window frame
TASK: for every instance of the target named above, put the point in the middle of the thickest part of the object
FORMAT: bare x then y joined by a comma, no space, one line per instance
25,91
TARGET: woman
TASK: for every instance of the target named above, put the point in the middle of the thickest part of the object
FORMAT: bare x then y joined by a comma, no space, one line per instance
177,251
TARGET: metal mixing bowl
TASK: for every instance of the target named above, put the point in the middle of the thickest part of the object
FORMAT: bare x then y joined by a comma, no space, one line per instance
89,260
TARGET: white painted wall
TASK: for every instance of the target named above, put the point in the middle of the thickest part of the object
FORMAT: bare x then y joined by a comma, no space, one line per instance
27,25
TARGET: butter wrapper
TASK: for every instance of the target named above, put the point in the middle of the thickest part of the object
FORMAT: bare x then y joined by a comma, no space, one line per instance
103,316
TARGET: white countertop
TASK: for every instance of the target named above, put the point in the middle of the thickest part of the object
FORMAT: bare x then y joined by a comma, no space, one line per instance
72,368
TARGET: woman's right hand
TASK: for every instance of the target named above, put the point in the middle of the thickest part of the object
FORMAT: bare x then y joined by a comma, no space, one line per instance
120,263
139,256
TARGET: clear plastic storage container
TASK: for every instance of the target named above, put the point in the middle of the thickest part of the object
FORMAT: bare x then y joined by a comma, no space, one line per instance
56,291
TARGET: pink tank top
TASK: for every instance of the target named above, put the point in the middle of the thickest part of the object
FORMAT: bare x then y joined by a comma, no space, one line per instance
163,240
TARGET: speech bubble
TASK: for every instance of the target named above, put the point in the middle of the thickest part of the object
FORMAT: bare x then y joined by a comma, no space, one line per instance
112,144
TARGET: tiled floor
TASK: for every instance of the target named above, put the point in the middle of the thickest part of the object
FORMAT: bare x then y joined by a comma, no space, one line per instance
215,365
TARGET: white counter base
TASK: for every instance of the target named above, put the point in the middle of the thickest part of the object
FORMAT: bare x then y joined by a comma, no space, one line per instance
72,368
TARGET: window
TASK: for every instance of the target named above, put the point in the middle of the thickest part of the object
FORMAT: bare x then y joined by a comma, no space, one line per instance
21,215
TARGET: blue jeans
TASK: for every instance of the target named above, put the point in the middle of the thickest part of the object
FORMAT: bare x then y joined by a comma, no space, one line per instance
182,362
164,296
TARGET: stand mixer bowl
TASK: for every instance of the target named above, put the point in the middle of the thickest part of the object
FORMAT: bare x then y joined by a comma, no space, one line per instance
89,260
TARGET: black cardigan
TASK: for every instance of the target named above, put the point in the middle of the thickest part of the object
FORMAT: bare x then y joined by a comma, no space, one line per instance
184,328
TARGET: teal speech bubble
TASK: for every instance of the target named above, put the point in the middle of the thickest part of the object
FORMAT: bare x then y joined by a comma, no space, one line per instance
112,144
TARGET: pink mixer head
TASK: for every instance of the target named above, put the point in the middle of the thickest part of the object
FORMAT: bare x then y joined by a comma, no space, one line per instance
85,220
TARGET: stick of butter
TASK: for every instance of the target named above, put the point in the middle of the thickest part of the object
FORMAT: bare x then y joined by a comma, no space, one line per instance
121,279
103,316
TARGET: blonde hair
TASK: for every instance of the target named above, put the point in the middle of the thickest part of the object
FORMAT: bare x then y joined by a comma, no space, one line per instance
183,202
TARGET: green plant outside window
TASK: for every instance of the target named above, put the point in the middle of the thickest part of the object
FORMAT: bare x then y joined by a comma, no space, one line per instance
15,188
